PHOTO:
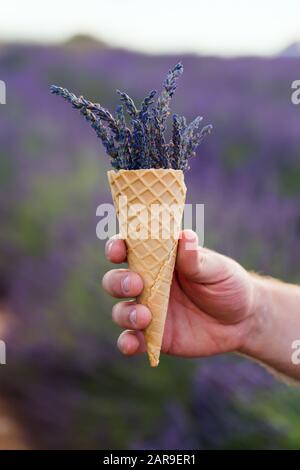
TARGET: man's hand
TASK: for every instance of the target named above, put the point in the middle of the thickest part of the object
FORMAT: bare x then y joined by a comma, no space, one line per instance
212,302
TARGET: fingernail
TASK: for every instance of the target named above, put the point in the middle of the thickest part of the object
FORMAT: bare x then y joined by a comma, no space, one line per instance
191,240
108,248
190,235
125,283
121,343
132,317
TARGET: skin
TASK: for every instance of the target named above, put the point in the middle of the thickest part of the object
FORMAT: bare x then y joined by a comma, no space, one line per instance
215,306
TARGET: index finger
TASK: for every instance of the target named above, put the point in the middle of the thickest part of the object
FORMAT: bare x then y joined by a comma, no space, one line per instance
115,250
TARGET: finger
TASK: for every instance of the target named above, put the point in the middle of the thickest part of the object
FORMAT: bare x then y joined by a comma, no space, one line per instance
122,283
115,250
131,343
131,315
188,259
199,264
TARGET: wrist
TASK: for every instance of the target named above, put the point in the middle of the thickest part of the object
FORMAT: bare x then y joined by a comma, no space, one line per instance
260,319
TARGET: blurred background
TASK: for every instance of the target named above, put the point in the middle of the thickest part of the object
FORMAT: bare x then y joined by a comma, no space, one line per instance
65,385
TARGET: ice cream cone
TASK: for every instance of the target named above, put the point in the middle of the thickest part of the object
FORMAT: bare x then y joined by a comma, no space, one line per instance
149,204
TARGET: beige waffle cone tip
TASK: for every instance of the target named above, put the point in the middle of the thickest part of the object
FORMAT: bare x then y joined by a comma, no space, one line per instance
150,217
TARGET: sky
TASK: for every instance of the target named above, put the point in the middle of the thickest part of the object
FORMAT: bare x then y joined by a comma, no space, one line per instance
221,27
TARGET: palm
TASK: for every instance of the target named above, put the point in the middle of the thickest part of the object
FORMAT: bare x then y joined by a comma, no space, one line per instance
206,319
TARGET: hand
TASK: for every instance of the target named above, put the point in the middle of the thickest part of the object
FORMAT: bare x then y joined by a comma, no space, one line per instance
211,308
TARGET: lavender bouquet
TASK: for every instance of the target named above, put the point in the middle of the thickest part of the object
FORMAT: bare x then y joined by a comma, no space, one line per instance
141,144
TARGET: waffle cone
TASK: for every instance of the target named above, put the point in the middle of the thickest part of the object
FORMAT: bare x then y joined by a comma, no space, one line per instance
151,233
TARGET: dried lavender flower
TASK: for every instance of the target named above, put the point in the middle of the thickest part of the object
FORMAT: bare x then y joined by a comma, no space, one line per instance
147,102
191,137
123,139
128,103
80,103
175,146
103,134
169,87
143,145
159,141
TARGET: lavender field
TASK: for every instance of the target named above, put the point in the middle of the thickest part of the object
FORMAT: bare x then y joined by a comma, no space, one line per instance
67,383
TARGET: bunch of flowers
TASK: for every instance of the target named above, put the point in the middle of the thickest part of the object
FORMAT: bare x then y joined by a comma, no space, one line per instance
142,144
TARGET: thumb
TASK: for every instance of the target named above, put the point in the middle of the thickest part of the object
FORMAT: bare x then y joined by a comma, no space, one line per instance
200,264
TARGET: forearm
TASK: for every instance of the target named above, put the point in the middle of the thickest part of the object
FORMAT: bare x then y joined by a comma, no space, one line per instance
276,325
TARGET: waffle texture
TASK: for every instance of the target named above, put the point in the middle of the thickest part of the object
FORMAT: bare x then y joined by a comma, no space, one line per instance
149,204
